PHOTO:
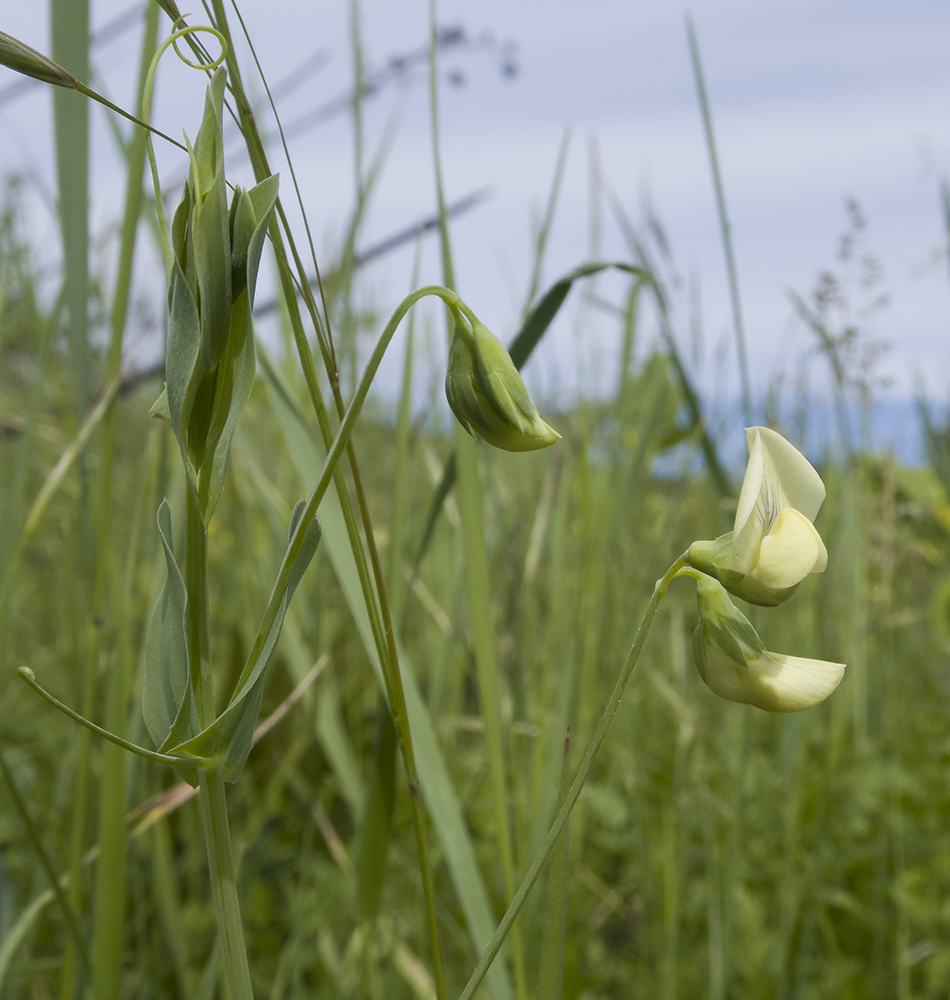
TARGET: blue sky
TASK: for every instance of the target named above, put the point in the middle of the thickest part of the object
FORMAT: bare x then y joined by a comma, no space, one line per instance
813,103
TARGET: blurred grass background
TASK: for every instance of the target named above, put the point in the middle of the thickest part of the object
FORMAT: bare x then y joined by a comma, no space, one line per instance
716,851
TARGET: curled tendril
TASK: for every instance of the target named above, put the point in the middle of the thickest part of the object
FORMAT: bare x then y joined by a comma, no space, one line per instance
187,30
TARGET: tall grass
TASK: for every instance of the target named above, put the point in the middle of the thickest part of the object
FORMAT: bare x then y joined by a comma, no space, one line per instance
428,672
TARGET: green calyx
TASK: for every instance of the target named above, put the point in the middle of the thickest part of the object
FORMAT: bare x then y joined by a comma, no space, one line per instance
715,559
722,624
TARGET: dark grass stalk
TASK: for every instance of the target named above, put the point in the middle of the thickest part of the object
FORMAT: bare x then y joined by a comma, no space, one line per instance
349,322
724,227
551,969
70,47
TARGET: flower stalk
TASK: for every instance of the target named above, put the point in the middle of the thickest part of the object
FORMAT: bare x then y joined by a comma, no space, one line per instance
564,813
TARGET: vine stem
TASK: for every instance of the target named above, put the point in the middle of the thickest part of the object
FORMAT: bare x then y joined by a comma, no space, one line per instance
213,803
564,813
382,632
214,817
330,464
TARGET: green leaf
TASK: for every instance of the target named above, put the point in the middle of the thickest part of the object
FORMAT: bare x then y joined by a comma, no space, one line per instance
541,316
263,197
165,683
181,351
232,387
228,739
178,236
159,408
241,223
209,151
212,243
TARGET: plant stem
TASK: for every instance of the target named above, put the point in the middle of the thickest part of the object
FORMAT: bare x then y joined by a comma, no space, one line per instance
214,818
514,908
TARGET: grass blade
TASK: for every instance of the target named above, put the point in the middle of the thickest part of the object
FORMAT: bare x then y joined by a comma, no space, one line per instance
551,972
724,227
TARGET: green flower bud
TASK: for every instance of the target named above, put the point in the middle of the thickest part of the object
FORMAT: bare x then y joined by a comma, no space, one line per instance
20,57
488,396
735,665
210,358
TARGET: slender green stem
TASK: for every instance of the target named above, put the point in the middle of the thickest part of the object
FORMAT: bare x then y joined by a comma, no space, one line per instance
514,908
401,717
331,462
724,226
214,816
388,654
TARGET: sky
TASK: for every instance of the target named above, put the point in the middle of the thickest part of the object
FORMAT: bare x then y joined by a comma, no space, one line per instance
815,103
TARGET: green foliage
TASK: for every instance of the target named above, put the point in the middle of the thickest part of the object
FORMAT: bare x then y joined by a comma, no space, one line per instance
714,851
210,354
167,700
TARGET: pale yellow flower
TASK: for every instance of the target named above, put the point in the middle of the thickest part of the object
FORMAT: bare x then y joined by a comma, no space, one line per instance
773,545
735,665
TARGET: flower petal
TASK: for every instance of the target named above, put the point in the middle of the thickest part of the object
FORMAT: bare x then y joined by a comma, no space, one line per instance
777,476
773,682
789,552
790,683
749,528
799,484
